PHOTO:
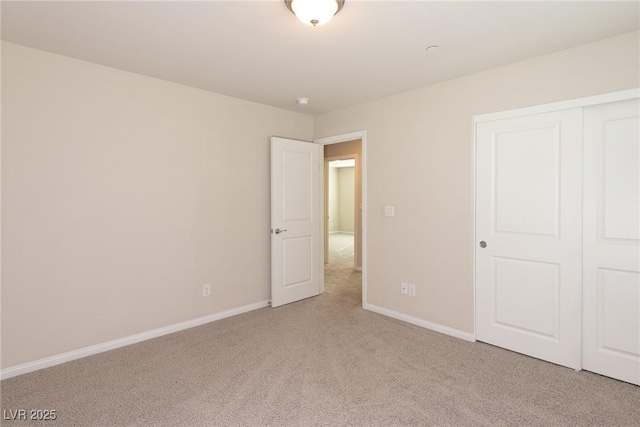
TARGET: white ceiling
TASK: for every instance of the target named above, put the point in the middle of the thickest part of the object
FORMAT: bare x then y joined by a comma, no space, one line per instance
259,51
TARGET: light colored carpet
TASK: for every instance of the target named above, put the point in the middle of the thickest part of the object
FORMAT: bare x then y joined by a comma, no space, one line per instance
321,361
341,248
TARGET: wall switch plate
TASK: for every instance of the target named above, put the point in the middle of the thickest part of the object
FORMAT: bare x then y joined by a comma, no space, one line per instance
403,288
412,290
206,290
390,210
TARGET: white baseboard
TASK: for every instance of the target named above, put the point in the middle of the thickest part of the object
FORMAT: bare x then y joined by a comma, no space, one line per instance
420,322
342,232
121,342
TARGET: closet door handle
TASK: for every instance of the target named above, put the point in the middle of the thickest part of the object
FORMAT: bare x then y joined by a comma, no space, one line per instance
483,244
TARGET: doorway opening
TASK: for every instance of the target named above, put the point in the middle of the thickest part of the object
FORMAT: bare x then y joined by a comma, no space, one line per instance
343,217
340,210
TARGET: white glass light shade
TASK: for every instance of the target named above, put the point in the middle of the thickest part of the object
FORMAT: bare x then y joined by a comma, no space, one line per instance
314,12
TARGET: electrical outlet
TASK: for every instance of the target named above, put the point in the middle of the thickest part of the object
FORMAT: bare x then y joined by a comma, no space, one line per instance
412,290
403,288
206,290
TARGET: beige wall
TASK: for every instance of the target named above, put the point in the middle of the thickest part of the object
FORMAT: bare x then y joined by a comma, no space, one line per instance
121,196
420,159
334,200
341,199
349,148
346,185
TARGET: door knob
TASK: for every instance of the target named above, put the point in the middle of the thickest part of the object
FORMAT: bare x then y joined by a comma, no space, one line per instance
278,231
483,244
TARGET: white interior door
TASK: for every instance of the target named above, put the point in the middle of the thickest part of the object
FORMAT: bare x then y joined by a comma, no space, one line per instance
296,220
528,212
611,271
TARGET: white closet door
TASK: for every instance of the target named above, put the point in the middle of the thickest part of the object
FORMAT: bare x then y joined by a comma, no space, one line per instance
528,212
611,276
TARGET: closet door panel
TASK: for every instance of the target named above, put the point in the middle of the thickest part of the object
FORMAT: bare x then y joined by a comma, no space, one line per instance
528,203
611,251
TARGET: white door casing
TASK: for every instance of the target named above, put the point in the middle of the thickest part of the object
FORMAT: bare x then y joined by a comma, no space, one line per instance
528,211
611,269
296,220
362,160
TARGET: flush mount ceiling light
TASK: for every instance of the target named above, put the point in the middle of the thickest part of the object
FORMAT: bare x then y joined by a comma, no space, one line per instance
314,12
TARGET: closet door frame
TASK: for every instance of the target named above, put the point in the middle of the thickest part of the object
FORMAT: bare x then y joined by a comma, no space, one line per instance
556,106
538,109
